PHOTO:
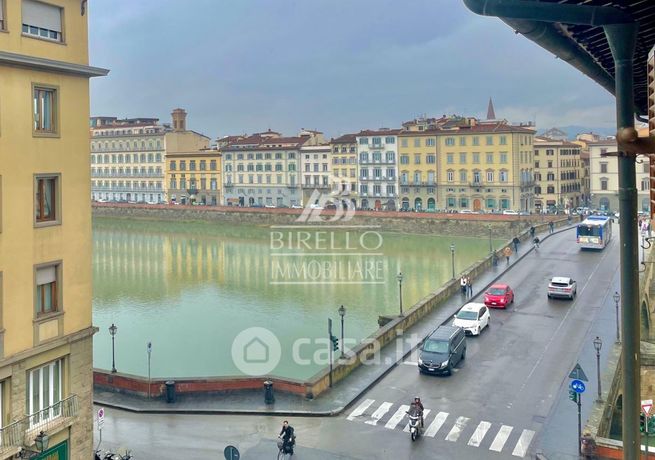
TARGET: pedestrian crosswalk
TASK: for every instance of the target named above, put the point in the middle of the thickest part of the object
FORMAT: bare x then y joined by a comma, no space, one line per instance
447,427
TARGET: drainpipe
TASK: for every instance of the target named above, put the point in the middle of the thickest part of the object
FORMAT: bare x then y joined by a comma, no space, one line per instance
531,18
622,39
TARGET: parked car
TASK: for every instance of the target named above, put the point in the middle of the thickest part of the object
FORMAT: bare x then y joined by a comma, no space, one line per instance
315,206
270,206
499,295
296,206
472,317
561,286
509,212
442,350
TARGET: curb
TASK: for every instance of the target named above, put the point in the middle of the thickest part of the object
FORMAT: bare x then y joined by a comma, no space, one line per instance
328,413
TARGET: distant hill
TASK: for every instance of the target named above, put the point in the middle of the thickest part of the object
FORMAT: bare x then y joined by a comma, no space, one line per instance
573,130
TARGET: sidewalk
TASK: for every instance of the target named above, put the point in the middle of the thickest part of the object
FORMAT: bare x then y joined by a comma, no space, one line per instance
332,401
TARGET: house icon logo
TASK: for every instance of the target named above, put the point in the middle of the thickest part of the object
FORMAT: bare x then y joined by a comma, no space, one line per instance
256,351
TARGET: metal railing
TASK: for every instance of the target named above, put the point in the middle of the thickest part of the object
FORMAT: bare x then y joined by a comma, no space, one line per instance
12,435
45,418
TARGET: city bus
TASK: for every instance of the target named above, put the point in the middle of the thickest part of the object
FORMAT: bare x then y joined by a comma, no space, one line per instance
595,232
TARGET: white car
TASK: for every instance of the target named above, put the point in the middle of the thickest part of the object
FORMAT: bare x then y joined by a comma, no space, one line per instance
561,286
473,317
509,212
270,206
315,206
296,206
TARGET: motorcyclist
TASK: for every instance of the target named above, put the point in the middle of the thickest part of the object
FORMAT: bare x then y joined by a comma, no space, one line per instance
287,437
418,406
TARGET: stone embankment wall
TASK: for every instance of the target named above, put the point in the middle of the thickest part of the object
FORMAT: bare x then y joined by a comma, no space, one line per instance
441,224
502,226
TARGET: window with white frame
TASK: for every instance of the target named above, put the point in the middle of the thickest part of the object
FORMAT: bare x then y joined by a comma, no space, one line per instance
450,176
44,109
42,20
44,392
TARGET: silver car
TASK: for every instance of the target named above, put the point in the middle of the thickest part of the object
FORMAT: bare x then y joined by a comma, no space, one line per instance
561,286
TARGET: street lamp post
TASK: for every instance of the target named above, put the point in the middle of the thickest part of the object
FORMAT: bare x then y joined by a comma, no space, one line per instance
400,289
149,350
342,313
452,257
598,344
491,249
112,330
616,298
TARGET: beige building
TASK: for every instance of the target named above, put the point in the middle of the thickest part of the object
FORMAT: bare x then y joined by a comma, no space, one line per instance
558,174
194,177
128,156
46,331
316,170
262,170
344,167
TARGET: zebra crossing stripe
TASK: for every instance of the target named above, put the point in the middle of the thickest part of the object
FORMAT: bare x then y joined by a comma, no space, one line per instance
359,410
425,415
379,413
479,434
436,424
501,438
397,417
457,429
521,447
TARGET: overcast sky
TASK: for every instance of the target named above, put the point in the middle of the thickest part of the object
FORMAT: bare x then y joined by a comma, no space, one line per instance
240,66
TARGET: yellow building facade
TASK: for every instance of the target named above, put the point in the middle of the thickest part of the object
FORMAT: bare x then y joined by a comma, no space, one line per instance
485,166
194,177
45,229
344,167
417,167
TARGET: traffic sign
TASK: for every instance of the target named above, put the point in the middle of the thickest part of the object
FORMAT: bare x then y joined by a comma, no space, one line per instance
578,374
646,406
578,386
231,453
101,418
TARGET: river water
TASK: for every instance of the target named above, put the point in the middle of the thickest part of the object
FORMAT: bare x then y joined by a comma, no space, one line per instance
190,288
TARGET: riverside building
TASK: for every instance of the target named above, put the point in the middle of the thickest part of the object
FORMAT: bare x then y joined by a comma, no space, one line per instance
46,331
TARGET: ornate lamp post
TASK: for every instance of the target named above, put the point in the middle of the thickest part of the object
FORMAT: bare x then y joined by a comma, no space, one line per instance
112,330
491,249
598,344
400,288
342,313
616,298
452,257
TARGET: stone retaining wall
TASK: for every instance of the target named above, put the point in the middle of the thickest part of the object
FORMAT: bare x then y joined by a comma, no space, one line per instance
502,226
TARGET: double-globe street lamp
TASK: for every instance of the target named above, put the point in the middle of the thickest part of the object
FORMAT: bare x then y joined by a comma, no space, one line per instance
342,313
598,344
452,257
112,330
399,277
616,298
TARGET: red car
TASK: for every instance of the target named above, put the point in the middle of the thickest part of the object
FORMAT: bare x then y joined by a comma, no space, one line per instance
499,295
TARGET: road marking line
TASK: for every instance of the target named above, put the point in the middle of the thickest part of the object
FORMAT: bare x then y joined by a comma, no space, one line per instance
479,434
379,413
523,443
457,429
359,410
425,415
436,424
501,438
397,417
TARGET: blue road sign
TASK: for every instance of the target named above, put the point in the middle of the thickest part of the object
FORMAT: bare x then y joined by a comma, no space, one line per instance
231,453
577,386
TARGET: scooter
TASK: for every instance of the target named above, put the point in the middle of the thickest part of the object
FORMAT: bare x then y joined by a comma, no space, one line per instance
414,425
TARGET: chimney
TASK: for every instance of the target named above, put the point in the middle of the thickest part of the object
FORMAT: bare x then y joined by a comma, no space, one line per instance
179,120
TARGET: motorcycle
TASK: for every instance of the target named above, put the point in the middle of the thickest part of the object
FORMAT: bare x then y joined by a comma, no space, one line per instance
414,424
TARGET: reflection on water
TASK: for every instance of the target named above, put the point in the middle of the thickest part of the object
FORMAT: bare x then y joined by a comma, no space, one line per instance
190,288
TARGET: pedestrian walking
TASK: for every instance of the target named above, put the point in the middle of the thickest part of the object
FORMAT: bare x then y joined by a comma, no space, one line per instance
532,230
551,226
469,286
494,259
588,446
507,252
462,284
516,242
